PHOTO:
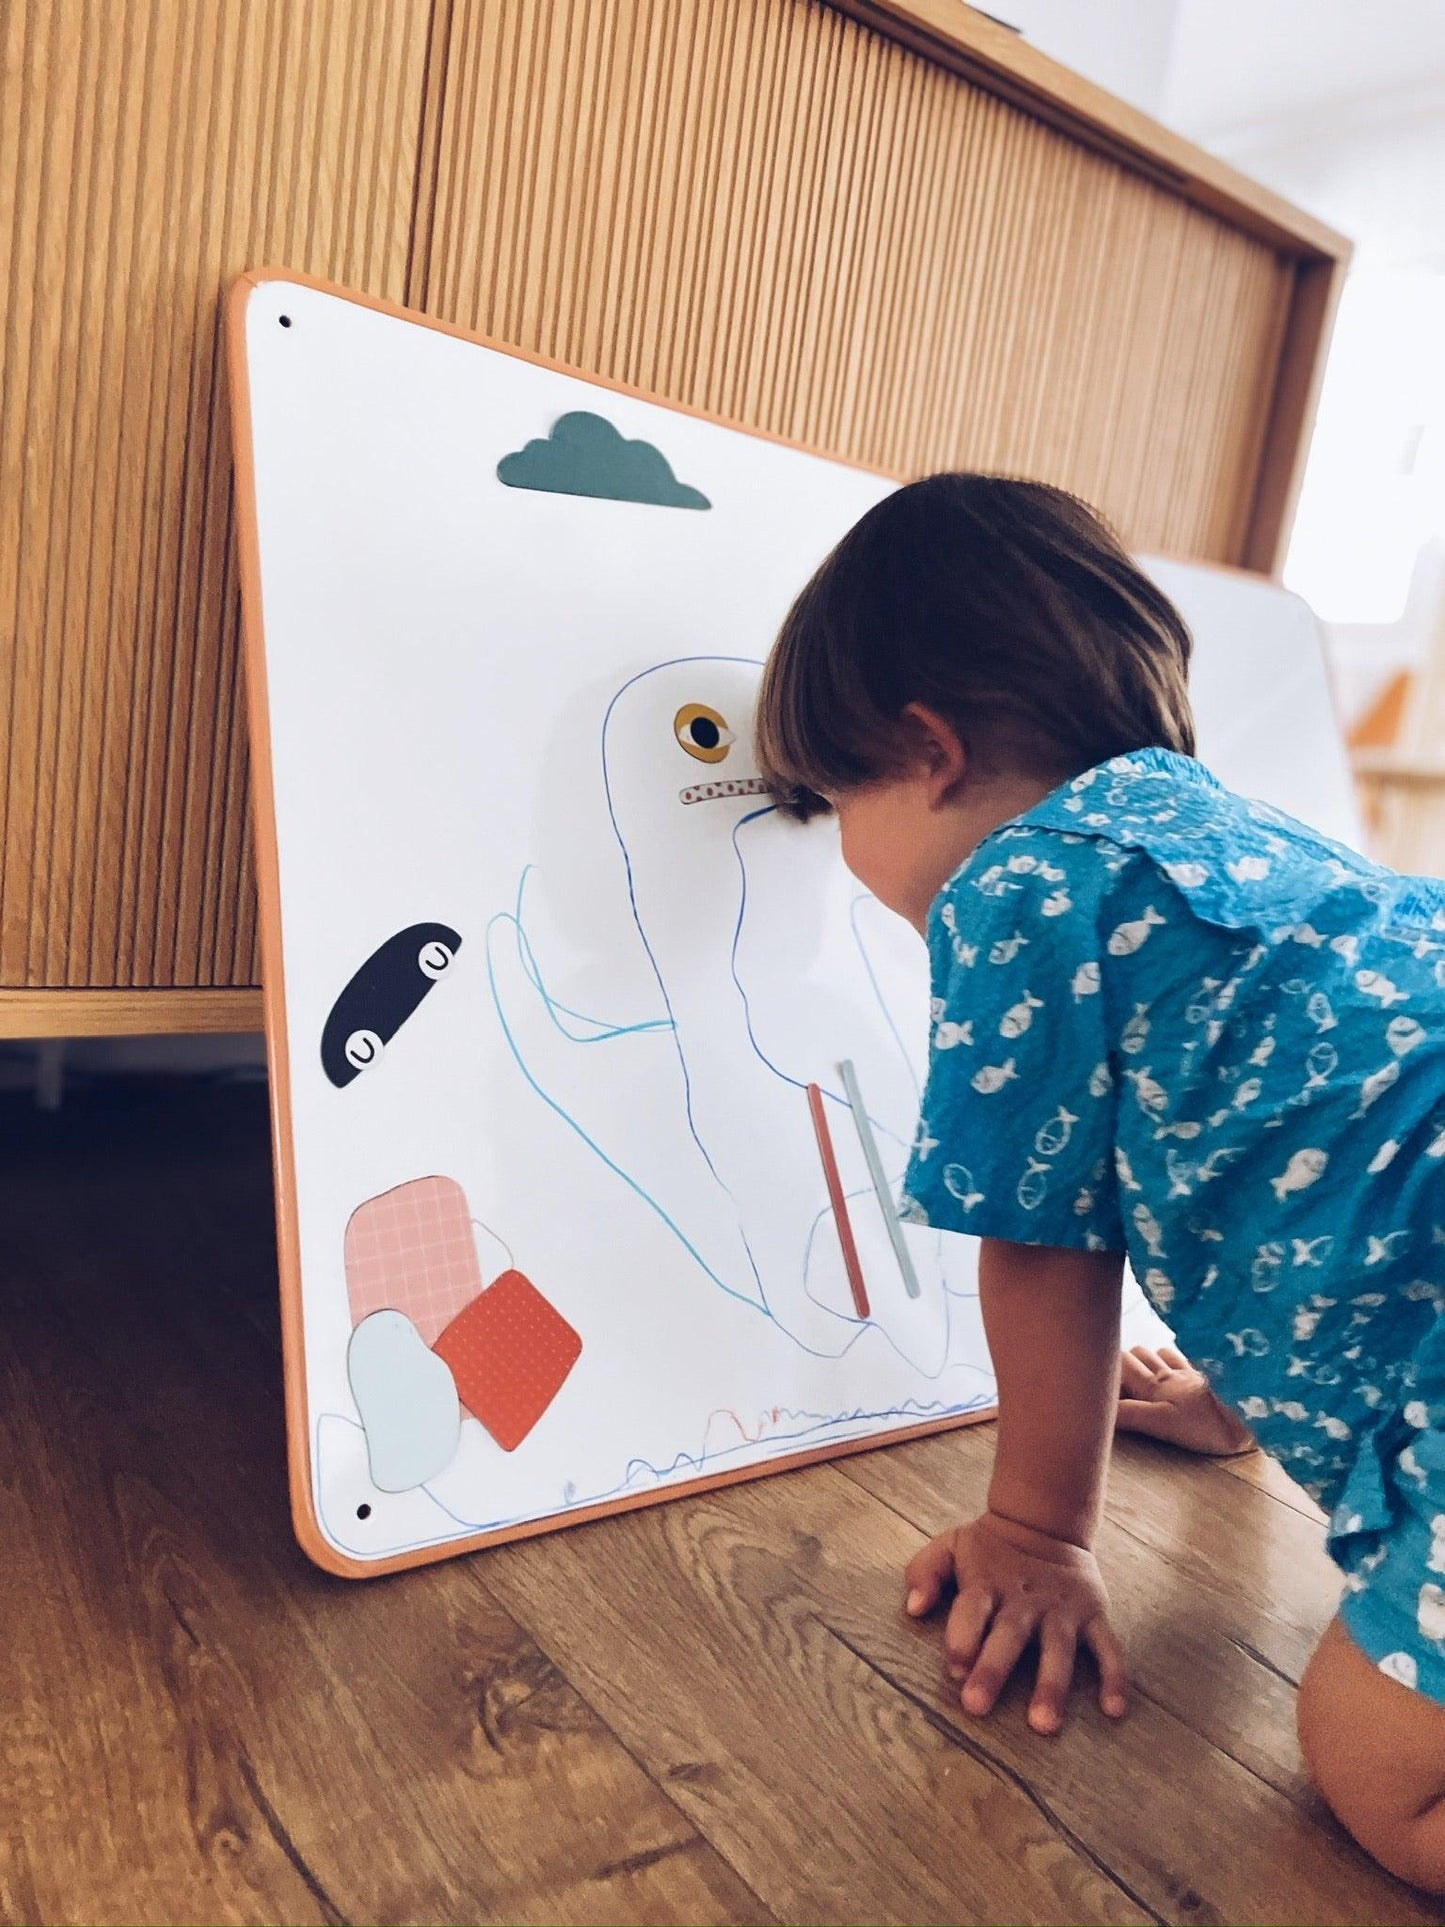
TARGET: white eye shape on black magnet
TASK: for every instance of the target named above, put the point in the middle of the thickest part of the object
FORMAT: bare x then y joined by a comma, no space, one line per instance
362,1048
434,960
703,732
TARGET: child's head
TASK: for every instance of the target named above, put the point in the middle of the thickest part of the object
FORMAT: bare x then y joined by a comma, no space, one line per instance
971,642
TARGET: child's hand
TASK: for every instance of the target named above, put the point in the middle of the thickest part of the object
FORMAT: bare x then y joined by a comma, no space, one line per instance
1015,1584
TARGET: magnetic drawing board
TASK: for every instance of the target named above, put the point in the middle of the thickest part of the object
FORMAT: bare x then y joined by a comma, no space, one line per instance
592,1076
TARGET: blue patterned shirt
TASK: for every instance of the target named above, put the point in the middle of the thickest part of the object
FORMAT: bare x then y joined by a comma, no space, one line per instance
1176,1023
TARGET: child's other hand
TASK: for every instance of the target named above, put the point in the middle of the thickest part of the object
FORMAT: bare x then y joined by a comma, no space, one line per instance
1015,1584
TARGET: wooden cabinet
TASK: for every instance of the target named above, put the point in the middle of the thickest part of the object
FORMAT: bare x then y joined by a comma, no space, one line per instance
888,230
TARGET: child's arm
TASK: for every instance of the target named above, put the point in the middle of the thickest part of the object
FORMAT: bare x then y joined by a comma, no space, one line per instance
1025,1568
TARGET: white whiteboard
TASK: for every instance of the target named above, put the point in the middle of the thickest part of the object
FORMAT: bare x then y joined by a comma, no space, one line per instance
472,692
466,706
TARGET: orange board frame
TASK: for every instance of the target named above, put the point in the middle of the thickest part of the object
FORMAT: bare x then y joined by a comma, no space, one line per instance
268,883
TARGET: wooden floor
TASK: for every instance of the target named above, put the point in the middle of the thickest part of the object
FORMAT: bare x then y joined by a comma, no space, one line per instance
710,1711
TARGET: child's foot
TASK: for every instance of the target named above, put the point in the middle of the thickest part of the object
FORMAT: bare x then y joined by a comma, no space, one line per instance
1162,1394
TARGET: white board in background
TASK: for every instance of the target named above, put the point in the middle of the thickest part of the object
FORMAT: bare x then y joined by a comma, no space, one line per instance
1260,686
474,696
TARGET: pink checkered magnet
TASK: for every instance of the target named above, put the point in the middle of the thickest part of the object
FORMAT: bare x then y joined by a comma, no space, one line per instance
412,1250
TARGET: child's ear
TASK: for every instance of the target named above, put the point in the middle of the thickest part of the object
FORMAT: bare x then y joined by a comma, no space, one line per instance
938,752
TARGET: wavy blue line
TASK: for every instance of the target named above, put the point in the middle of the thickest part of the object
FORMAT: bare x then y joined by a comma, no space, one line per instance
604,1031
878,993
506,916
910,1409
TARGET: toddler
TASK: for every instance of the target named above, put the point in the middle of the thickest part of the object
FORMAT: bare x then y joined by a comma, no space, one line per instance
1170,1024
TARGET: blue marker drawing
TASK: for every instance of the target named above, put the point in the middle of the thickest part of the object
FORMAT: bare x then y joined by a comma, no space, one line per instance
717,893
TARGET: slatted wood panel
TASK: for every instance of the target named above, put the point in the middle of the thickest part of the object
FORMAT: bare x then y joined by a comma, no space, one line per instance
149,151
763,208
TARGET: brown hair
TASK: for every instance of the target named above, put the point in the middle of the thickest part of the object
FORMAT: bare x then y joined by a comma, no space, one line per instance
1008,606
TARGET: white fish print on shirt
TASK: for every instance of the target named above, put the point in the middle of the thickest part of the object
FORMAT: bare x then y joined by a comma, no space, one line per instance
1086,981
1249,869
1057,903
1053,1137
1125,1170
1151,1096
1322,1061
1181,1174
1202,1005
958,1182
1382,1251
1264,1049
1307,1318
1101,1079
1248,1343
1313,1251
993,1077
1188,876
1007,948
948,1035
1403,1034
1375,1086
1430,1612
1017,1019
1149,1229
1383,1157
1160,1287
1244,1096
1305,1168
1265,1266
1375,983
1033,1185
1135,1034
1347,947
1130,937
1319,1012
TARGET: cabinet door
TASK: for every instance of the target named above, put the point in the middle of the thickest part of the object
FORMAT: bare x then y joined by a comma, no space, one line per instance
149,151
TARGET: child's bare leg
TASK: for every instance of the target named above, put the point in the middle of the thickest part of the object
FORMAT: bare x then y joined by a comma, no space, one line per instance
1162,1394
1376,1752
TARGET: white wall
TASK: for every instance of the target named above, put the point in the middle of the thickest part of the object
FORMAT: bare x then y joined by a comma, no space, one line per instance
1340,107
1123,45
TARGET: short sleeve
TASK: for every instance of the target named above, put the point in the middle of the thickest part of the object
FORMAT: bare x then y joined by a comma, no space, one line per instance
1016,1137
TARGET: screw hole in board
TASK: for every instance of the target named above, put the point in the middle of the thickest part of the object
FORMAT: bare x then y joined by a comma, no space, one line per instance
285,320
363,1512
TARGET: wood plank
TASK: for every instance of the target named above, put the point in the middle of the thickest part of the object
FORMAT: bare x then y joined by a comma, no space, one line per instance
763,1731
127,1013
149,151
1203,1652
206,1728
835,1796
